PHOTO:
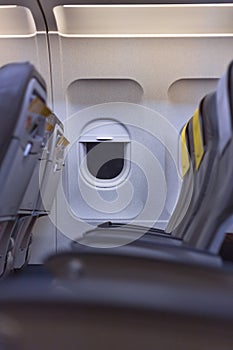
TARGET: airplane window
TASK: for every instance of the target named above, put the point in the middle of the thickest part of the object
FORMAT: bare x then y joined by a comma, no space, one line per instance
105,160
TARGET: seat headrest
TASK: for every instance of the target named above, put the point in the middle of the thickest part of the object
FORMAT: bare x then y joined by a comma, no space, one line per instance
14,80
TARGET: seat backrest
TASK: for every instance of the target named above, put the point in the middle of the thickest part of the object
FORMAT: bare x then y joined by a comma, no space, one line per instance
203,136
207,230
45,157
14,81
41,190
21,132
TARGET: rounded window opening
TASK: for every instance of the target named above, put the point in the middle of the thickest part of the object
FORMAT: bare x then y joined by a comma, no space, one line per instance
105,160
104,153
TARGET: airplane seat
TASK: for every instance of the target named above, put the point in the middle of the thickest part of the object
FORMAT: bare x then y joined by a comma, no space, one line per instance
40,193
204,140
27,214
20,144
128,284
214,218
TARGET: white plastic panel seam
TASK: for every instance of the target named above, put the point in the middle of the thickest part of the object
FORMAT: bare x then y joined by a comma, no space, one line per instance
18,36
153,5
214,35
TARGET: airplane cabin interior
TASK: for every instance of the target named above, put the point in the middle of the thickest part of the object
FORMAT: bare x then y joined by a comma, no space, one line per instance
116,191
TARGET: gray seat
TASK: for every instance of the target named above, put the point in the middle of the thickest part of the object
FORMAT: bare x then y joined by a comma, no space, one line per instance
41,190
214,217
98,302
207,139
21,136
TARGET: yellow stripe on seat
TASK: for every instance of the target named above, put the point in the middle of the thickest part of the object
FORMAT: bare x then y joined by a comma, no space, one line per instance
184,152
197,140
